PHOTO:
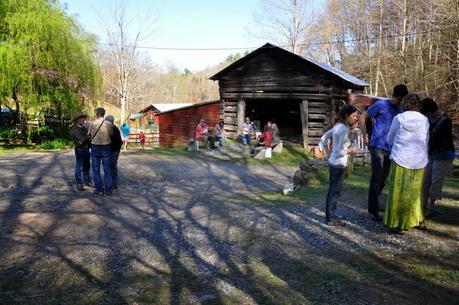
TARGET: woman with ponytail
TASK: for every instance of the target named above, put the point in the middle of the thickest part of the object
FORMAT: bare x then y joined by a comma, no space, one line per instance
337,161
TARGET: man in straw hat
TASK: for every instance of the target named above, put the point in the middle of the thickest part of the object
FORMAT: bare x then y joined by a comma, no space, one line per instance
79,133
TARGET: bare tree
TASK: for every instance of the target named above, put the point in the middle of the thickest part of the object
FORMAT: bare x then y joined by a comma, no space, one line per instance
123,37
283,21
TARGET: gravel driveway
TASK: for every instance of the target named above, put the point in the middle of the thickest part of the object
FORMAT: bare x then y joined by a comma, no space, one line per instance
195,230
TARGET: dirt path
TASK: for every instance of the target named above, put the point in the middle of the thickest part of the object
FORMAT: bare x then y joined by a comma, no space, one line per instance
186,230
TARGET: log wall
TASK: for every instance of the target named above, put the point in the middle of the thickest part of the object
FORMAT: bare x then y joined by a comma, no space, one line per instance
272,74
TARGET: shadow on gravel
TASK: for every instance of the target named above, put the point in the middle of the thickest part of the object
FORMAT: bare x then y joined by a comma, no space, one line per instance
195,231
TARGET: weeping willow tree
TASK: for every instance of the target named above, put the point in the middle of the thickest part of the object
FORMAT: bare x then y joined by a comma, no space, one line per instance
46,61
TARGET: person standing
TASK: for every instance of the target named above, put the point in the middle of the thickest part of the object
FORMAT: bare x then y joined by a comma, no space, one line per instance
337,160
115,148
125,132
246,131
441,152
408,137
79,133
100,131
382,112
142,139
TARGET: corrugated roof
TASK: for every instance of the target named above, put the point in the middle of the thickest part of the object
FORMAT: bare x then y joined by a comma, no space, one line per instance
341,74
338,72
169,106
136,116
189,106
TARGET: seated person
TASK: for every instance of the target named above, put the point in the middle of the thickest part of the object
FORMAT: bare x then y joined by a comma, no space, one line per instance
274,132
264,140
201,130
202,135
219,133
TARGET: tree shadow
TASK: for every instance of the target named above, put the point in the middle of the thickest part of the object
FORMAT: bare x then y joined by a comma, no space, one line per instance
186,230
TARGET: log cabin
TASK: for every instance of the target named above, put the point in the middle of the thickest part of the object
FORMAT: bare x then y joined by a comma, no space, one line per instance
301,95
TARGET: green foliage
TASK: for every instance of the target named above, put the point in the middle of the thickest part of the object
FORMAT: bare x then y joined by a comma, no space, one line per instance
47,61
7,133
44,133
55,144
233,57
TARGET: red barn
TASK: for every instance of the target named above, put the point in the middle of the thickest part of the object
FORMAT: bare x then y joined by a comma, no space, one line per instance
177,126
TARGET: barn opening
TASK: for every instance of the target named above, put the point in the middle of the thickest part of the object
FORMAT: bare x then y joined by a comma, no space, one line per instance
285,112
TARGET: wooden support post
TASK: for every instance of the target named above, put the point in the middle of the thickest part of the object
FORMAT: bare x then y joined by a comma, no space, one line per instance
240,114
304,123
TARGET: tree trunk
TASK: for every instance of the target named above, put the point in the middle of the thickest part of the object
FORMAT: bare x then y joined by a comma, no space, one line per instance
378,60
404,32
122,108
16,101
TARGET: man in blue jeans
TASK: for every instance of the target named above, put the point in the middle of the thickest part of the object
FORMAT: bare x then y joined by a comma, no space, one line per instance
99,132
246,131
79,133
382,112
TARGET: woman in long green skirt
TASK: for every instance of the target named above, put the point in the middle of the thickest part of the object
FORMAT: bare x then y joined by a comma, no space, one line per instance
404,208
408,136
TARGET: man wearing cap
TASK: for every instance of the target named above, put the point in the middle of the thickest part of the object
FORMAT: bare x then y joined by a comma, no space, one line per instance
115,147
99,132
79,134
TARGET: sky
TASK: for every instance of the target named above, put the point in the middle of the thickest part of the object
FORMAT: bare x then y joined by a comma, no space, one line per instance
180,24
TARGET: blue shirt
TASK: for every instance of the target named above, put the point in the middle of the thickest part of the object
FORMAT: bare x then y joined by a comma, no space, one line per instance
125,130
382,112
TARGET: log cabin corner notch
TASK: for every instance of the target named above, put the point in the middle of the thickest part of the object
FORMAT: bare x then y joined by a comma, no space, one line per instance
301,95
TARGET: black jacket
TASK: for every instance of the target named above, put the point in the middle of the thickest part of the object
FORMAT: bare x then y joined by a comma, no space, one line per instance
80,136
116,143
441,135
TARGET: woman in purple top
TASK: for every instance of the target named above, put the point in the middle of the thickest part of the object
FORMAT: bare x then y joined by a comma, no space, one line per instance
382,112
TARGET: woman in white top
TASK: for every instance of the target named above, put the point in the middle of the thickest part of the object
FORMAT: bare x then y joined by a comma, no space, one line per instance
408,136
337,161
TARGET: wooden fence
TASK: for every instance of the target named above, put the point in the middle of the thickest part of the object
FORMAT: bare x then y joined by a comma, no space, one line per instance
151,136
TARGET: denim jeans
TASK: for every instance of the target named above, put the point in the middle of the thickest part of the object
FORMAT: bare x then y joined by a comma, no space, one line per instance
337,174
434,175
221,140
82,166
246,138
380,168
101,153
114,166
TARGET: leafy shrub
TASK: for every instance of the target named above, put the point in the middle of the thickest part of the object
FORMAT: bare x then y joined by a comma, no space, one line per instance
55,144
7,133
46,133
